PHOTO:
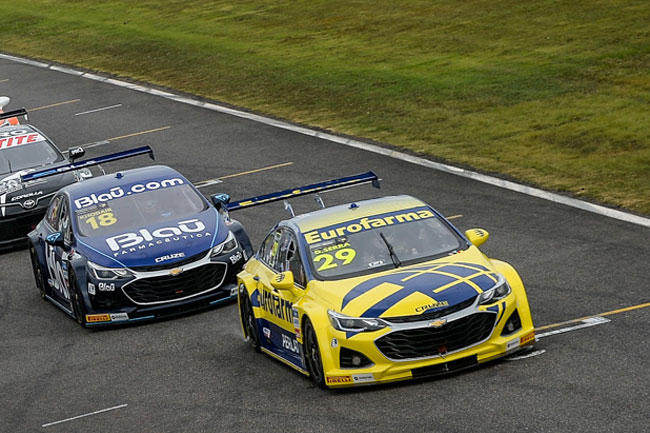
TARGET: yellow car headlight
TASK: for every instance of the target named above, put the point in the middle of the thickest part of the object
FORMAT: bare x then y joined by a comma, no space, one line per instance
354,324
499,291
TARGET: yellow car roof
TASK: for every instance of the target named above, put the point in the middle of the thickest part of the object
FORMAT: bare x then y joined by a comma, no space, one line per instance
350,211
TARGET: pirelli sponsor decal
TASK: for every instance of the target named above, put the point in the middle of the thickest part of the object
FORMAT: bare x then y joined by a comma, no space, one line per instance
527,339
339,379
92,318
369,223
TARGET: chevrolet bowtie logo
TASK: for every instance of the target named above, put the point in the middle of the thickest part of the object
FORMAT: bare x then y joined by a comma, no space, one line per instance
437,323
176,271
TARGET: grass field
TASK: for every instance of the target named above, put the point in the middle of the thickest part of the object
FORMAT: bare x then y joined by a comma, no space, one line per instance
554,93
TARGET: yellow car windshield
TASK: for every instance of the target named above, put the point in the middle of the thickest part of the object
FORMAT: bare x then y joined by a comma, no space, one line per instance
361,247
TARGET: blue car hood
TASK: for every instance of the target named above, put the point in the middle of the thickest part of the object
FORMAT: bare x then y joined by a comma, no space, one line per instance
157,245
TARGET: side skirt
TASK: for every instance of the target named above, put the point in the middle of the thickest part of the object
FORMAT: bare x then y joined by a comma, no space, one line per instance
290,364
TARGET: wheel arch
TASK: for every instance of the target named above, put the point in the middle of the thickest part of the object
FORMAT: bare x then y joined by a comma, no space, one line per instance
517,286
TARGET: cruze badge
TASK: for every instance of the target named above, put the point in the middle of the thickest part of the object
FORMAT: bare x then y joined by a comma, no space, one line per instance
437,323
176,271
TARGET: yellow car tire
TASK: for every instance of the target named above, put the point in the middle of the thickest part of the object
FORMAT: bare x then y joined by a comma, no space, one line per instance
249,323
312,355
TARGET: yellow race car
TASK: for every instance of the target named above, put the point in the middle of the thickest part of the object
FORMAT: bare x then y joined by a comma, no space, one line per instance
378,291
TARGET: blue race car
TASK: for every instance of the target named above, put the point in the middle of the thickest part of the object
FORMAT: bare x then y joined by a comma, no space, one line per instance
134,245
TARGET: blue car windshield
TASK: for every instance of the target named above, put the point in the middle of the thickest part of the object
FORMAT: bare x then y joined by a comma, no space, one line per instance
139,210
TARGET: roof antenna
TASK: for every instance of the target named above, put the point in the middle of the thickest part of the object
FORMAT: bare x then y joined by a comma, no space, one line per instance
319,200
288,207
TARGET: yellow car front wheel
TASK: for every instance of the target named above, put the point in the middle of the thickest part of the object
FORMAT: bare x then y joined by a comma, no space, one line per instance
312,355
250,324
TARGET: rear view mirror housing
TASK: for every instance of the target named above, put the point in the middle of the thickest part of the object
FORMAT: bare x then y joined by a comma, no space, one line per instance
477,236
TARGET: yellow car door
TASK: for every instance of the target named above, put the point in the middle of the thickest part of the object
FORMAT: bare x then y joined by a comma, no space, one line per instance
281,281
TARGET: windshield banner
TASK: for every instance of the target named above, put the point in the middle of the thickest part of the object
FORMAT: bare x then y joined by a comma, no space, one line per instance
369,223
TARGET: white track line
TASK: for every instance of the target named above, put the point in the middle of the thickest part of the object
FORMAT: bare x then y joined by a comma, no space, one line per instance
84,415
586,323
96,110
512,186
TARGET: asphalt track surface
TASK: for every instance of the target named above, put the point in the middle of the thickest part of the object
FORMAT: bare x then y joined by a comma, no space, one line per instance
196,374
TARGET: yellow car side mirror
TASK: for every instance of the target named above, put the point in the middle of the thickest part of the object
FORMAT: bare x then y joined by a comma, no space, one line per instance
283,281
477,236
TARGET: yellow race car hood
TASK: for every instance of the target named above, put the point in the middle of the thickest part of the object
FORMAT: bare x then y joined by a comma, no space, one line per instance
412,290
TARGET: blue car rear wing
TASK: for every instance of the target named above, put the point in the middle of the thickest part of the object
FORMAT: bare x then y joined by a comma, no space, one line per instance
314,188
144,150
15,113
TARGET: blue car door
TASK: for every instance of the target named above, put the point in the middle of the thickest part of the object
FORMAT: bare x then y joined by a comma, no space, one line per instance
58,225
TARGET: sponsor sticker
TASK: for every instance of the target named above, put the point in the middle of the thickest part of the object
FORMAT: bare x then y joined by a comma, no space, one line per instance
368,223
106,287
169,257
117,192
339,379
363,378
512,344
267,332
18,140
126,243
432,306
235,258
119,317
296,322
91,318
334,343
290,344
527,339
91,289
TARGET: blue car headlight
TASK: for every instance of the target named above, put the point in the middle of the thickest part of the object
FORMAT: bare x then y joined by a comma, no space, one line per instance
104,273
354,324
226,246
499,291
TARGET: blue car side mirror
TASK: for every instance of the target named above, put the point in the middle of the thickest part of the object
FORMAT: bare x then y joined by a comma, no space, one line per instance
220,200
55,239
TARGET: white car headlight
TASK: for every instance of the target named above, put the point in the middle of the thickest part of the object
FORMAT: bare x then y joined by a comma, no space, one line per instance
354,324
104,273
226,246
499,291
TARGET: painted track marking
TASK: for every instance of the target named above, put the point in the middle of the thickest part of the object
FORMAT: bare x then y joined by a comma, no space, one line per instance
4,81
607,313
149,131
84,415
57,104
97,110
585,323
215,181
108,140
